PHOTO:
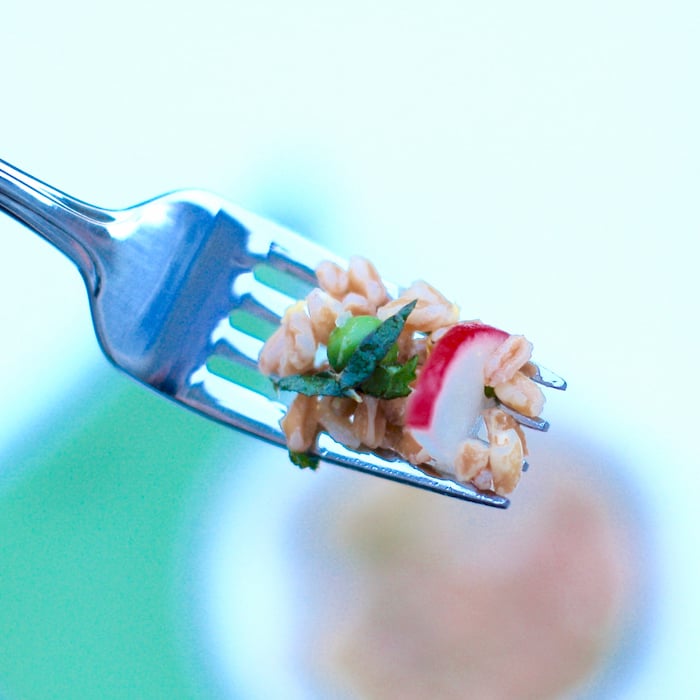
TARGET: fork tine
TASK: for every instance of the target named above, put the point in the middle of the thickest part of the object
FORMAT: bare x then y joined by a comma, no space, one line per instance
404,473
241,343
547,378
279,259
261,296
526,421
250,304
273,243
223,348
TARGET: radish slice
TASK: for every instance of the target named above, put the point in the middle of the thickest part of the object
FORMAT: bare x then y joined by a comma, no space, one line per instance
445,406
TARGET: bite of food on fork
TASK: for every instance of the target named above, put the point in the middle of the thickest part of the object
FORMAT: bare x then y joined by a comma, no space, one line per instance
405,376
254,326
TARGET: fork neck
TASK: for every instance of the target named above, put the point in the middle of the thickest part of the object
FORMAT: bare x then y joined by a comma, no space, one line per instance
77,229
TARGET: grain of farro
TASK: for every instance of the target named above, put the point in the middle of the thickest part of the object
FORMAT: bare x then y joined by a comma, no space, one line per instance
522,394
514,352
300,423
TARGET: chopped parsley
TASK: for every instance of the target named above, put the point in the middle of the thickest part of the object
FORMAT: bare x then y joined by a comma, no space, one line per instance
321,384
371,369
391,381
304,460
373,349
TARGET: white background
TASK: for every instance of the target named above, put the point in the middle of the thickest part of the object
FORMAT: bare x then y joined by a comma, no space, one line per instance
539,162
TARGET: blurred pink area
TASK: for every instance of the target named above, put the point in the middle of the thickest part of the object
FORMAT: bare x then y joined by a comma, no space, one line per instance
418,596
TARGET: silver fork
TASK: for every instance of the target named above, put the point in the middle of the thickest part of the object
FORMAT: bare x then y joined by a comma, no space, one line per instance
183,290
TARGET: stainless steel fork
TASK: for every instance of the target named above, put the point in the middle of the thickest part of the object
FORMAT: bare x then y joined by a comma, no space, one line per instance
183,290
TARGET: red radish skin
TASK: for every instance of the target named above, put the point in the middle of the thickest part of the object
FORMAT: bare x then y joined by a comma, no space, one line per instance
444,408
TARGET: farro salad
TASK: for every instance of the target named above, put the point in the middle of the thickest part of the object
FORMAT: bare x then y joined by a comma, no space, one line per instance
402,376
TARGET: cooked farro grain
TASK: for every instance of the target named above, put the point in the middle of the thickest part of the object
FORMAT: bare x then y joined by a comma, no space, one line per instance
522,394
332,279
300,423
324,311
510,356
506,461
394,410
364,279
292,347
335,417
357,304
433,311
472,458
369,422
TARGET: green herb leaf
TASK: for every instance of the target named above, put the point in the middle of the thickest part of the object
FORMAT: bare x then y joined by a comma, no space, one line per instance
344,340
371,367
392,357
391,381
372,350
321,384
489,392
304,460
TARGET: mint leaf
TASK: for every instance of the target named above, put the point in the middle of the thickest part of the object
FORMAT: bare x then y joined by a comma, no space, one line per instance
304,460
371,367
392,357
391,381
321,384
373,349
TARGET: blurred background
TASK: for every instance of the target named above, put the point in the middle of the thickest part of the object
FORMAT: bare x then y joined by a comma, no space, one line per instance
538,163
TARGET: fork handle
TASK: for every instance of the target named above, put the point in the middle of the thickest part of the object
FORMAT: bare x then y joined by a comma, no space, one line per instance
77,229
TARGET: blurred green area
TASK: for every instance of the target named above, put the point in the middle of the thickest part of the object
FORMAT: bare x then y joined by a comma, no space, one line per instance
96,512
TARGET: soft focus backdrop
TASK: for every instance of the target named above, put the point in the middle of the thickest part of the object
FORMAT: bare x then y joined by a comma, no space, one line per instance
538,162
